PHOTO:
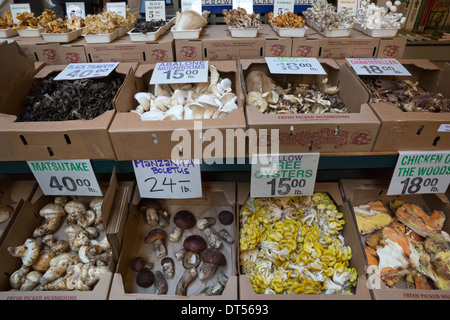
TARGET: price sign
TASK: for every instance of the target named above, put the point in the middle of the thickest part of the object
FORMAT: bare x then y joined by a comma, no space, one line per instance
246,4
291,65
18,8
117,7
445,127
351,5
75,8
282,6
155,10
378,67
195,5
86,70
283,175
66,177
170,179
421,172
180,72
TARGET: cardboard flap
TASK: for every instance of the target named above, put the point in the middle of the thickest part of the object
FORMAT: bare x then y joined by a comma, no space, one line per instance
437,81
349,84
108,197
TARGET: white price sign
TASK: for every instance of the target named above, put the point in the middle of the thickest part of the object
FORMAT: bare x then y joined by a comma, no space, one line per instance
283,175
76,71
292,65
195,5
117,7
180,72
421,172
282,6
18,8
170,179
155,10
75,8
378,67
246,4
66,177
351,5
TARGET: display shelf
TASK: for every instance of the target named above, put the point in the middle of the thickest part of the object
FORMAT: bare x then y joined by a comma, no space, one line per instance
361,160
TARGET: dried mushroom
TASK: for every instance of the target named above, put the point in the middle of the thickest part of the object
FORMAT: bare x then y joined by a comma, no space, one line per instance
294,245
265,94
239,18
26,20
406,95
6,21
70,100
148,26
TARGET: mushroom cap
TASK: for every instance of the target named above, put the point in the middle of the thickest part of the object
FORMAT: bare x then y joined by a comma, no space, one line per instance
166,260
184,219
145,278
213,256
226,217
137,264
195,243
51,210
155,234
146,203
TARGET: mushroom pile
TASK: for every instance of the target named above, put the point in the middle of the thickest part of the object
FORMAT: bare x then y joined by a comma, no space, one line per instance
327,17
190,20
239,18
200,254
294,245
268,97
412,248
75,261
406,95
371,16
205,100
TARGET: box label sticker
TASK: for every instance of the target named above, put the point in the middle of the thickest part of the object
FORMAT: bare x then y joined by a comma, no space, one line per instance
155,10
444,127
377,67
66,177
282,6
117,7
76,8
421,172
170,179
86,70
180,72
18,8
294,65
283,175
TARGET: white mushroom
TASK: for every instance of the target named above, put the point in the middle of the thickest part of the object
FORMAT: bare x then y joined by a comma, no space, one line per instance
178,98
160,102
197,110
144,99
214,74
174,113
154,114
226,84
227,97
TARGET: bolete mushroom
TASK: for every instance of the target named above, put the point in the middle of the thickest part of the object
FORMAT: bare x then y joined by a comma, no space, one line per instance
164,218
156,236
226,217
189,275
160,286
149,207
168,267
194,244
212,259
205,225
138,263
183,220
145,278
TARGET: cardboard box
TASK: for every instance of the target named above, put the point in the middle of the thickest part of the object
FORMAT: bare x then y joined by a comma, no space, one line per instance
361,292
28,220
218,44
328,132
308,46
357,45
125,50
217,196
391,47
75,139
415,130
190,49
276,46
357,192
14,193
134,139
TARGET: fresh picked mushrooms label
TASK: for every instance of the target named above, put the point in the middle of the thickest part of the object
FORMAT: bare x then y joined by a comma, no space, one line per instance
283,175
421,172
66,177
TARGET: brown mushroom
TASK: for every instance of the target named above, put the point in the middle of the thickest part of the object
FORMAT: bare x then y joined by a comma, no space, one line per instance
195,243
168,267
205,224
156,236
226,217
160,285
164,218
138,263
212,259
188,276
149,207
183,220
145,278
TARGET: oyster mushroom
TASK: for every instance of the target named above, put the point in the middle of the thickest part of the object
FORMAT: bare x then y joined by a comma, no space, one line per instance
174,113
154,114
144,99
189,20
210,104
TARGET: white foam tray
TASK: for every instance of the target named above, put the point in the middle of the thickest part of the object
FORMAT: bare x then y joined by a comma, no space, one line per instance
61,37
290,32
30,32
101,38
6,33
186,34
379,33
149,36
243,32
336,33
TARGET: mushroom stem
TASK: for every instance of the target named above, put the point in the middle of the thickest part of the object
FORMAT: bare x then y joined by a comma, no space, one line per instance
160,286
160,248
213,240
188,276
207,270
